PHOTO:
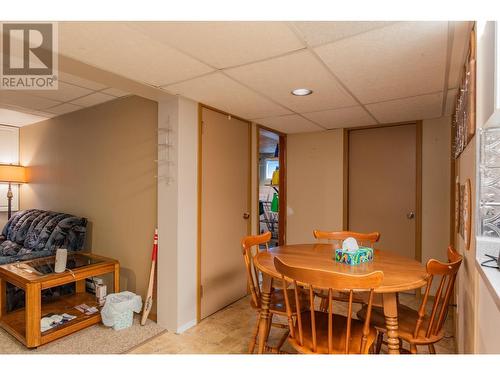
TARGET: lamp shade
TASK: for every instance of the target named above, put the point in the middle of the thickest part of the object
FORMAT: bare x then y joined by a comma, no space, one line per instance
13,173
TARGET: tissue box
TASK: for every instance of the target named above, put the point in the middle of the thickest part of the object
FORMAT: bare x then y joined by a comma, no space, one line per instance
363,254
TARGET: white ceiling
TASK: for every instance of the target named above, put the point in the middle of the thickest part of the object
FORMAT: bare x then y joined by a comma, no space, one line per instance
16,118
361,73
25,107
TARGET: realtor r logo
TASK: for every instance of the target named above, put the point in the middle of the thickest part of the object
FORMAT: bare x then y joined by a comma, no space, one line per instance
29,56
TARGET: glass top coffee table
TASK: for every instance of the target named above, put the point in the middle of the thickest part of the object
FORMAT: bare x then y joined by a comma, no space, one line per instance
36,275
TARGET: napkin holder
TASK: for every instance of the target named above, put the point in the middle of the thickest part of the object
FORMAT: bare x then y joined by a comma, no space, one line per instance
362,255
352,254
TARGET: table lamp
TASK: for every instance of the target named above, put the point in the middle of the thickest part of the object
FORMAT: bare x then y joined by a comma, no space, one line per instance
12,174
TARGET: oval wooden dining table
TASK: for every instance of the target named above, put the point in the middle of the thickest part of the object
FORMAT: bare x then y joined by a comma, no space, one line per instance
400,274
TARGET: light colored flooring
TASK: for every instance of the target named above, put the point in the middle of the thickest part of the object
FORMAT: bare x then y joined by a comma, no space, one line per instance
228,332
96,339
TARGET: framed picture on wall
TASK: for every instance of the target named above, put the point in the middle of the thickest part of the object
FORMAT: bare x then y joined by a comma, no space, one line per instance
466,213
461,211
471,98
457,207
464,116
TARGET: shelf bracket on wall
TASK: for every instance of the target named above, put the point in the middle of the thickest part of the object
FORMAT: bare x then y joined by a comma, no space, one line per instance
165,145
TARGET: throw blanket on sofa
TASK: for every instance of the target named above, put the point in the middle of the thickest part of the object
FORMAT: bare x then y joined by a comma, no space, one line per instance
37,233
33,234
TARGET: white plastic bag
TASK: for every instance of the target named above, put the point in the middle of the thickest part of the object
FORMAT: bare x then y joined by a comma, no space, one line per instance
117,305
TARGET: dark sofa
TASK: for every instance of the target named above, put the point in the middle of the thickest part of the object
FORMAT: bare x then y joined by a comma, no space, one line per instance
36,233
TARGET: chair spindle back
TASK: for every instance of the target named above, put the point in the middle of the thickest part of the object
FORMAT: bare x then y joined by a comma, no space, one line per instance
248,244
363,239
312,280
448,273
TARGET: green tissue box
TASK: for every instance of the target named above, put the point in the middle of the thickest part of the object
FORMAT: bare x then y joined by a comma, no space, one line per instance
363,254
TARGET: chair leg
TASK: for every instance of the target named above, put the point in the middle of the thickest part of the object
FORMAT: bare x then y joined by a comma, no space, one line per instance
380,338
413,349
253,340
432,350
270,323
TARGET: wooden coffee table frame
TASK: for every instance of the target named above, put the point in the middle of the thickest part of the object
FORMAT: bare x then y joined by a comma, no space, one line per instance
24,324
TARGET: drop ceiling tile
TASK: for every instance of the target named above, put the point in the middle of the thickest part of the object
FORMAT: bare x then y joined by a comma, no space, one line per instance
116,47
223,93
277,77
115,92
17,118
316,33
289,124
93,99
79,81
341,118
458,52
450,102
407,109
400,60
30,111
224,44
21,99
64,108
64,93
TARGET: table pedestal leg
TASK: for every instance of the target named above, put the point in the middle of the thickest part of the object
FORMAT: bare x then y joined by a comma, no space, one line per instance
264,312
391,322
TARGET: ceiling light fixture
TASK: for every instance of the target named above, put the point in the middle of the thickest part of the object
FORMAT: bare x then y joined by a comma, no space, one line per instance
301,92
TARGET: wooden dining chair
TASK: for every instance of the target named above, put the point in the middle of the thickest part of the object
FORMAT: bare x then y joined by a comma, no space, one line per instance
417,327
363,239
324,332
251,245
453,254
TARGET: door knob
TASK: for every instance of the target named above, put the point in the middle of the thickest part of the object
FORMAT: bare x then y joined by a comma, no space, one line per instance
410,215
246,216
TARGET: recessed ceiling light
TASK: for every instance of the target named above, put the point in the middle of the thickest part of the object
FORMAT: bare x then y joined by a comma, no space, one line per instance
301,92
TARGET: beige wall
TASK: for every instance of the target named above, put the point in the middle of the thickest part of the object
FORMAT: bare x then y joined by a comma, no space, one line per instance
99,163
436,170
314,184
3,220
467,276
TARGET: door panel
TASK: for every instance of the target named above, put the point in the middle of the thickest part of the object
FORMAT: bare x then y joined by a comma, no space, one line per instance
224,200
382,185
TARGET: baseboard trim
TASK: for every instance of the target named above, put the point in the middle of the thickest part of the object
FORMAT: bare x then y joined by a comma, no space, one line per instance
186,326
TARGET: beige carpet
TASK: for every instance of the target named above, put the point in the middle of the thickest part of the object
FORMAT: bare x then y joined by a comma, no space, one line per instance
97,339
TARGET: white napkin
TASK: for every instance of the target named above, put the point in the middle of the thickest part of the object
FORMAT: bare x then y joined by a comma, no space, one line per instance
350,244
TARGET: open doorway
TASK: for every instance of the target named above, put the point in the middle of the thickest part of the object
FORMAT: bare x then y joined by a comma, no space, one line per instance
271,184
